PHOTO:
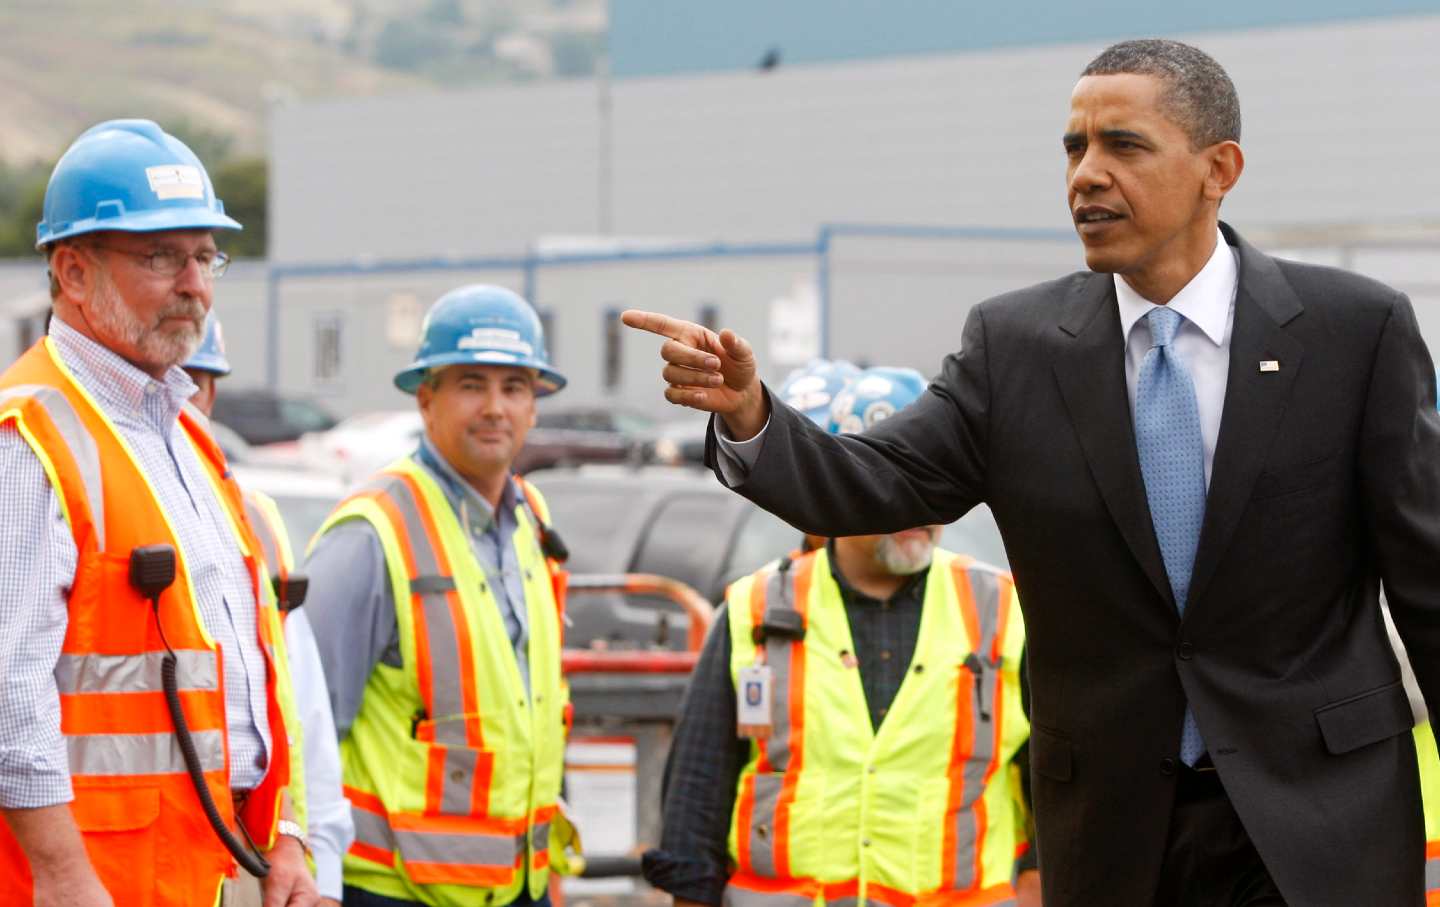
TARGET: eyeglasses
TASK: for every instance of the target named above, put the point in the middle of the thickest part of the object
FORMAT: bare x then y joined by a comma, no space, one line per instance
170,262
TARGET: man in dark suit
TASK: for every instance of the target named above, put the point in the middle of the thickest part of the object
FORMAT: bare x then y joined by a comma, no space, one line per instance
1204,461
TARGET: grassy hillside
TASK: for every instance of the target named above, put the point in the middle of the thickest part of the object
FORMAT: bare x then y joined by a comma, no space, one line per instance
210,66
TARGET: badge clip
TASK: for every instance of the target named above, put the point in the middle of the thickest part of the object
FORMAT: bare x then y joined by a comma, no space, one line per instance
753,695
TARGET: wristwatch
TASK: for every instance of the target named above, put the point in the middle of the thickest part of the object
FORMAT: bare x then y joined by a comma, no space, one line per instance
293,830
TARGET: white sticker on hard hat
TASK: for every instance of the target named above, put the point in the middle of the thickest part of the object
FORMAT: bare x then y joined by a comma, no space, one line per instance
496,339
873,386
807,400
878,411
850,425
495,356
175,181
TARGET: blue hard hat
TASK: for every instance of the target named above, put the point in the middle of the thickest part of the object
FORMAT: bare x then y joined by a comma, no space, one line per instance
482,324
210,356
874,395
128,175
812,387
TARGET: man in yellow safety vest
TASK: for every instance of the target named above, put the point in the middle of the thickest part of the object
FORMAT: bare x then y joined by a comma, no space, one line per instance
853,727
435,598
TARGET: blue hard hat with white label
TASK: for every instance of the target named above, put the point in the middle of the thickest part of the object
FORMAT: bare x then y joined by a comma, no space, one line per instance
874,395
128,175
482,325
812,387
210,356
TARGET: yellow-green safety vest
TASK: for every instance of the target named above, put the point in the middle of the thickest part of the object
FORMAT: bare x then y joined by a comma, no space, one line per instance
1430,794
453,772
926,809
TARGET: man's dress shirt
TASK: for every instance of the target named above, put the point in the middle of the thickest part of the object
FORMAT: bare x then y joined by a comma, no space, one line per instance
329,825
40,561
352,607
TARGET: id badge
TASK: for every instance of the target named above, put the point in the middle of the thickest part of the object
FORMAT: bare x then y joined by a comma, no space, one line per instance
752,702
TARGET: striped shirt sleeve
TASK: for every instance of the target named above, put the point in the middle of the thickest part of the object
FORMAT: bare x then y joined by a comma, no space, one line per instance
36,572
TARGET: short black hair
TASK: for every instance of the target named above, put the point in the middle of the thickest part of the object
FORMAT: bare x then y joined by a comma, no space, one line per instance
1198,94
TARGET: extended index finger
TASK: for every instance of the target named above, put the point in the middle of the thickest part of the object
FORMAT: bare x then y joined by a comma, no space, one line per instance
657,323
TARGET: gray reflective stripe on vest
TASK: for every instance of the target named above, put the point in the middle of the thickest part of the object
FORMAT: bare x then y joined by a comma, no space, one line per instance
779,595
460,766
196,669
743,897
779,654
540,836
1432,874
459,849
447,705
371,829
77,438
762,823
432,587
266,535
141,754
985,591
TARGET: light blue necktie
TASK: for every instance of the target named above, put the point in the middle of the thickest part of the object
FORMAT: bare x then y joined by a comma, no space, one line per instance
1172,462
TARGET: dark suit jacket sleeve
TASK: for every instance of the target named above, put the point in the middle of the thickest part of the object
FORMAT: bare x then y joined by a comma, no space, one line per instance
1400,480
924,465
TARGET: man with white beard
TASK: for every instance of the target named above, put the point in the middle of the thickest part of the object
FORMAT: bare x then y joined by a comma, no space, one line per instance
853,726
142,728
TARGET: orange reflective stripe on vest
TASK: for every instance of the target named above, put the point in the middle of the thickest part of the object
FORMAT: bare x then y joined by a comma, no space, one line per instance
458,781
373,839
974,756
126,766
437,849
754,891
764,839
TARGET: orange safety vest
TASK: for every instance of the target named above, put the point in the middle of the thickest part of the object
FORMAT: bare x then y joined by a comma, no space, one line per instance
272,549
135,805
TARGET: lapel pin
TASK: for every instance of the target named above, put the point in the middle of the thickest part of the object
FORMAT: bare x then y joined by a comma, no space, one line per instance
1269,365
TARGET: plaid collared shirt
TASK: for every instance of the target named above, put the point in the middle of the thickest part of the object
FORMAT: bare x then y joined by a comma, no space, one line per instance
39,565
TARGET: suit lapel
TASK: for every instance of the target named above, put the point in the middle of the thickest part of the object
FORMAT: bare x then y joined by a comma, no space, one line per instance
1091,374
1254,401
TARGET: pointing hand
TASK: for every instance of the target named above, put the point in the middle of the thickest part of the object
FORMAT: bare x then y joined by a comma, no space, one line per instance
711,372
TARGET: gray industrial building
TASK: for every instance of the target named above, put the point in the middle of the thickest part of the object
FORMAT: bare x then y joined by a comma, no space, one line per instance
849,202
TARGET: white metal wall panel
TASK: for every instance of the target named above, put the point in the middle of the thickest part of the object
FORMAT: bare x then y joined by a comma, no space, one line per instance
1338,129
468,173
